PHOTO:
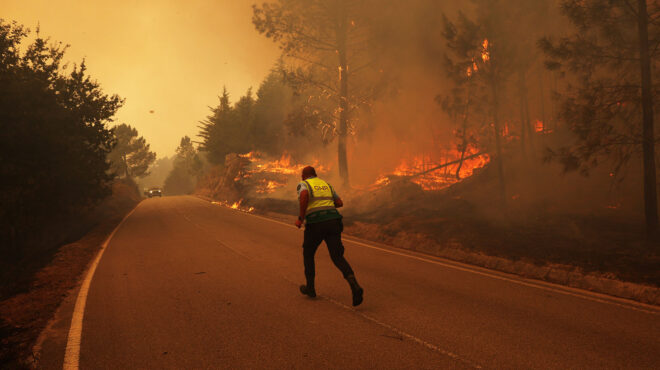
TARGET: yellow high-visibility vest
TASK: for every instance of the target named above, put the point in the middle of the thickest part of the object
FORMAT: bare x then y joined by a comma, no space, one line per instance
320,195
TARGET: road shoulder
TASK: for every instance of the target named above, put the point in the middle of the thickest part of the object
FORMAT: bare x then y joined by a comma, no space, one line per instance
565,275
37,320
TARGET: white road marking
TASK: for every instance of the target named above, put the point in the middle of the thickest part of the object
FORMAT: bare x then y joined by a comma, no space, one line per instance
216,239
393,329
403,334
72,352
575,292
387,326
566,290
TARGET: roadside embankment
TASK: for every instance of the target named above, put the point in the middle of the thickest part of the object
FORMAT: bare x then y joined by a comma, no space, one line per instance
572,275
37,284
573,262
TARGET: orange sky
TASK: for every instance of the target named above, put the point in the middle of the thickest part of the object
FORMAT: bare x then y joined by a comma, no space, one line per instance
169,56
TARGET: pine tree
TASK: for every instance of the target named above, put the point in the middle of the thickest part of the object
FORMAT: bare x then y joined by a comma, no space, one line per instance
54,140
131,156
327,43
229,128
187,168
610,60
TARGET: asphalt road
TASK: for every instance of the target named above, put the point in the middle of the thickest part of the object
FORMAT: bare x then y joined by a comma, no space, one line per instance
188,284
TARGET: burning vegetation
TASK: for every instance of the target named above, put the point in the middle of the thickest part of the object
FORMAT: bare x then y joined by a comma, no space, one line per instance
511,128
434,175
260,177
483,124
267,176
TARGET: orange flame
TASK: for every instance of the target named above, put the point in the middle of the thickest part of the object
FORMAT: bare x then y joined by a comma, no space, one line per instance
485,53
436,179
268,186
235,205
539,126
283,166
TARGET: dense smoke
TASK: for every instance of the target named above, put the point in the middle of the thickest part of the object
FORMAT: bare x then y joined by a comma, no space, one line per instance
429,83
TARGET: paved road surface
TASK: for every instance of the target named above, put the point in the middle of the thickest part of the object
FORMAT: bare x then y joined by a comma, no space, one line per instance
188,284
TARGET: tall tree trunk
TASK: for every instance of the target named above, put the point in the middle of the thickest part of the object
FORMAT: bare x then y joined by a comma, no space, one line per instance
125,166
464,145
523,121
342,29
541,93
498,144
648,137
553,103
531,128
528,128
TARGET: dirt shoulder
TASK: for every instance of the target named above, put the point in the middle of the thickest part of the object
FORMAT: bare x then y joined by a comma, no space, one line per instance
26,314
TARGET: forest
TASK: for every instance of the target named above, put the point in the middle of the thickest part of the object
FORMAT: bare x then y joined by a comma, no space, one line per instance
65,167
530,121
515,135
519,129
441,83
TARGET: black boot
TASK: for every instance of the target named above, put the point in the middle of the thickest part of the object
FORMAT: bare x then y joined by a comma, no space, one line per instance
356,289
308,290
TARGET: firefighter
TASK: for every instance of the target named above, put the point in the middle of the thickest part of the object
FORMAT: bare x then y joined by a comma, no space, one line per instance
318,210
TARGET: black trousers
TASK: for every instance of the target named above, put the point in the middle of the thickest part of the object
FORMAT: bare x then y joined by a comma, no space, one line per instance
330,232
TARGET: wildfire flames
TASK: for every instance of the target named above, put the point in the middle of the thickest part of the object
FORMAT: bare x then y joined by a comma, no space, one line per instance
437,179
485,53
541,128
485,57
266,176
235,205
268,186
282,165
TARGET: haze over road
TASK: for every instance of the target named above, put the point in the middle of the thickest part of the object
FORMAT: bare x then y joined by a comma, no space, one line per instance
188,284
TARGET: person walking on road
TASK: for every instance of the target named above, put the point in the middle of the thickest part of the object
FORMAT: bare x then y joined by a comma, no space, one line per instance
318,210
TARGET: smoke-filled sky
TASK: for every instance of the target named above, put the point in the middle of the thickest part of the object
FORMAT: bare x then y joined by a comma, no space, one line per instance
169,56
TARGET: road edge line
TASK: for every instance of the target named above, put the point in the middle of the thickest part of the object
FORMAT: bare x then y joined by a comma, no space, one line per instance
72,351
499,275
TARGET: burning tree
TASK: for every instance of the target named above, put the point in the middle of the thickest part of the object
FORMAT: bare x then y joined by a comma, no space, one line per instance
459,104
482,57
326,43
483,71
609,104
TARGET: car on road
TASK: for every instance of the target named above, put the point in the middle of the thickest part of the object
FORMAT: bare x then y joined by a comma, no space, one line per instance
154,192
